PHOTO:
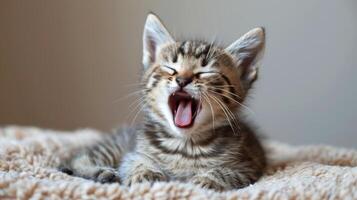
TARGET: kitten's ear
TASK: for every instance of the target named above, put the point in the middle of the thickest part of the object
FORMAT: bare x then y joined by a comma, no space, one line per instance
247,52
155,35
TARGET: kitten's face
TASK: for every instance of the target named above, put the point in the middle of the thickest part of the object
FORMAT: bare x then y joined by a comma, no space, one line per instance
194,86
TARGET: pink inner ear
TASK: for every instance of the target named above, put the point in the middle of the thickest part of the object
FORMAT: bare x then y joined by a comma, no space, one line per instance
155,34
152,49
247,48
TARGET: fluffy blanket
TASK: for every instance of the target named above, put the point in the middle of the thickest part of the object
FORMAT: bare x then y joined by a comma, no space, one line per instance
29,156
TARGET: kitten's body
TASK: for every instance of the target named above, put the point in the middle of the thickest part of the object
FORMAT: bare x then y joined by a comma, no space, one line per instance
223,160
192,132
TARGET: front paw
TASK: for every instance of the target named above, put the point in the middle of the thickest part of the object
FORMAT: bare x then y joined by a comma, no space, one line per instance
106,175
98,174
145,176
207,183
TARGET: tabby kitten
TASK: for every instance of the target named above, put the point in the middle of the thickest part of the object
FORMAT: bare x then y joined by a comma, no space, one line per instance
192,131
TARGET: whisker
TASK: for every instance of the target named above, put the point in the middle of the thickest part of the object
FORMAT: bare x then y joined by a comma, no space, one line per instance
227,115
222,86
235,101
137,113
210,105
233,116
236,95
226,112
138,102
209,54
134,84
130,94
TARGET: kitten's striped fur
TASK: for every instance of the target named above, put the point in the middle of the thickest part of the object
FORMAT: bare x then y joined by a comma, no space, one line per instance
218,151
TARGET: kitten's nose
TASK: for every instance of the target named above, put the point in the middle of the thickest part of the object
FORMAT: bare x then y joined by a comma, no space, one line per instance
183,81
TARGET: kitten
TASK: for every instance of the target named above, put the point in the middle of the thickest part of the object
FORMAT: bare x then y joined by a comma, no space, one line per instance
193,92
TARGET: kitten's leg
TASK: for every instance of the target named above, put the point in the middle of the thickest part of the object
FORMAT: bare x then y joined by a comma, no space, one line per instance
86,166
100,161
225,178
137,168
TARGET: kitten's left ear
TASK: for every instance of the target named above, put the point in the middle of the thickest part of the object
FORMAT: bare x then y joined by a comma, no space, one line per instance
155,35
247,52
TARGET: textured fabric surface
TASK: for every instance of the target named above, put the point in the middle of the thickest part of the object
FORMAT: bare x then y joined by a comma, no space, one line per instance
29,156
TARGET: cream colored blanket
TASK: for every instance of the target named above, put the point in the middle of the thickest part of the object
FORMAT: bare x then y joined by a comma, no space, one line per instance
29,156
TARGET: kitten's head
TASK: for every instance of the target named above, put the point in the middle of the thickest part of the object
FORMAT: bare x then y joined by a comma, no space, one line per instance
192,86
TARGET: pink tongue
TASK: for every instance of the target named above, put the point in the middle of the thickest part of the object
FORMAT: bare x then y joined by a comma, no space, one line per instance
183,116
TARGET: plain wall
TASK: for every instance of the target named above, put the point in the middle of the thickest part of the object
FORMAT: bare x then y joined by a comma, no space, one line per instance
66,64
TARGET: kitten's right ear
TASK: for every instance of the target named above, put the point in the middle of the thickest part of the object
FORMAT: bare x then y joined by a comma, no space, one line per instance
155,35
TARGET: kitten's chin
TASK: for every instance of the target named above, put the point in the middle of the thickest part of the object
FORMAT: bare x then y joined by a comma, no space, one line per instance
184,108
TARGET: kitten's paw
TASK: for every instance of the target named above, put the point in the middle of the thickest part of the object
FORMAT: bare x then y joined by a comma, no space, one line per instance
106,175
98,174
145,176
207,183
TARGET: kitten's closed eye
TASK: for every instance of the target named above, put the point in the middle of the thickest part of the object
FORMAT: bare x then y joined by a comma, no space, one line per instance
169,70
205,74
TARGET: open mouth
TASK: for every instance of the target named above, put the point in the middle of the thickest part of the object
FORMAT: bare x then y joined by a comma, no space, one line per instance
184,108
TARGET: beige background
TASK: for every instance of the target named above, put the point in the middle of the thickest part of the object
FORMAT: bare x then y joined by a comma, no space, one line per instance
64,64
